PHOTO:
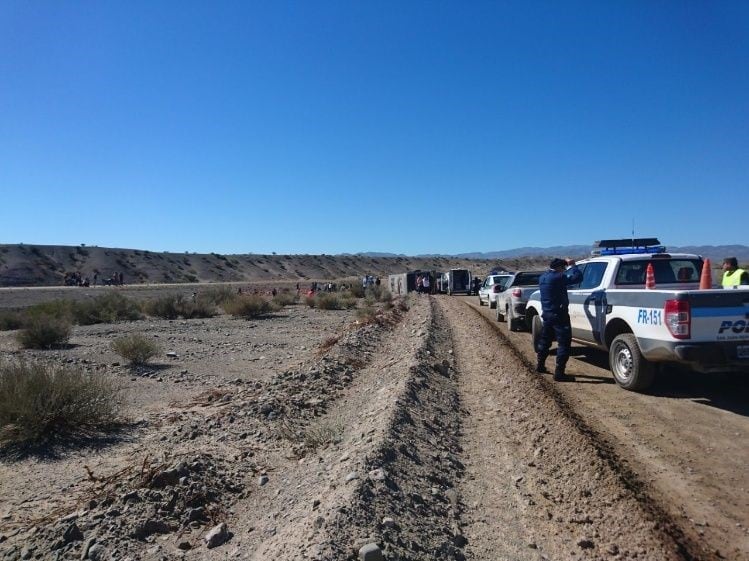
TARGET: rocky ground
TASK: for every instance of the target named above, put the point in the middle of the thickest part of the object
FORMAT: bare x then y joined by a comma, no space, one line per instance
308,435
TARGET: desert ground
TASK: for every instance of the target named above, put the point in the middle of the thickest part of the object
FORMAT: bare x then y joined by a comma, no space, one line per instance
425,435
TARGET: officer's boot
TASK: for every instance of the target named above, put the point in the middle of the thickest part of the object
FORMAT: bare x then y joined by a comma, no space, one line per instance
559,375
540,364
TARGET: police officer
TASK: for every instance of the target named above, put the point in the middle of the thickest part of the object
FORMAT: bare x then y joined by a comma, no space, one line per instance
555,313
732,275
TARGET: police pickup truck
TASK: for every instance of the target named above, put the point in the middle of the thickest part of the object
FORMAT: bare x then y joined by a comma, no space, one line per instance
675,322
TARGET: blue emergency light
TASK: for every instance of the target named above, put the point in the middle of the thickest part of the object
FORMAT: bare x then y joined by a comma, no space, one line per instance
629,246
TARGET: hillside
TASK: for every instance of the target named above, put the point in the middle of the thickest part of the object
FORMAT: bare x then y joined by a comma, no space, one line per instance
46,265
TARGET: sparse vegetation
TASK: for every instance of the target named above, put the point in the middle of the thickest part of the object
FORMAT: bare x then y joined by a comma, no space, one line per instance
218,295
136,349
366,314
59,309
330,301
44,332
38,402
199,308
356,289
323,433
379,293
107,308
166,307
249,306
314,436
11,319
286,298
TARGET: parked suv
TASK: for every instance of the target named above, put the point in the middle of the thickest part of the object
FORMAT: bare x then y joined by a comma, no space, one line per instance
493,285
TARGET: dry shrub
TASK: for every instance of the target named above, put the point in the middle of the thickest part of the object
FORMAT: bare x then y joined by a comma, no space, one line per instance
59,309
378,293
10,320
38,402
249,306
173,306
329,301
217,296
356,289
285,298
366,314
107,308
317,435
44,332
310,301
323,433
200,308
384,295
136,349
165,307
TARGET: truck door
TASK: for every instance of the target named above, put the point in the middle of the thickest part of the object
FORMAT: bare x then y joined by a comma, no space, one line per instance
588,304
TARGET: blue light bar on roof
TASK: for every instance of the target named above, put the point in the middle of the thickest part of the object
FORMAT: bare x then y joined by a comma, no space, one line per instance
631,250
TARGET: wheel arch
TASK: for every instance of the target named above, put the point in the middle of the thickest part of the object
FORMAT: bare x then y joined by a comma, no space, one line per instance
613,328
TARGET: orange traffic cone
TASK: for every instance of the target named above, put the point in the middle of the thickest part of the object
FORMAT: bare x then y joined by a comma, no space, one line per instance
706,279
649,276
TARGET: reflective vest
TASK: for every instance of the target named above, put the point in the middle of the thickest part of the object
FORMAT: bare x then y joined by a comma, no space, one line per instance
732,279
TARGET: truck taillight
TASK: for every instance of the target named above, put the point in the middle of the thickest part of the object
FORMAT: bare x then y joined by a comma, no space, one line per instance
678,318
517,293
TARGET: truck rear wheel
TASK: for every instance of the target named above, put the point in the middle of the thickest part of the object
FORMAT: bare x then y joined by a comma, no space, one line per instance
492,305
500,315
481,302
513,322
631,370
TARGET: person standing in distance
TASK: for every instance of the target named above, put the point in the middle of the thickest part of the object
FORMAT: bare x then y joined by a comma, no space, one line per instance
555,313
732,275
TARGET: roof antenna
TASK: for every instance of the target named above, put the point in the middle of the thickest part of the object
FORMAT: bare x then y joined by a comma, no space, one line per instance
633,231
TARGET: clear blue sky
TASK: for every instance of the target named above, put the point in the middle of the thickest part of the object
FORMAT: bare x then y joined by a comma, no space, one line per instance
409,127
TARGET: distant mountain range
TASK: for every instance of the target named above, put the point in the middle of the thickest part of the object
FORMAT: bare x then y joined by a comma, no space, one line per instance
715,253
47,265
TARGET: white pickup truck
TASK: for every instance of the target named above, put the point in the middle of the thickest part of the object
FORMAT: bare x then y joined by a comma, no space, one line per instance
706,330
512,299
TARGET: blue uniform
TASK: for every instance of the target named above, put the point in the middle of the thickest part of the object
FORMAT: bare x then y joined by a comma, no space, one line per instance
555,313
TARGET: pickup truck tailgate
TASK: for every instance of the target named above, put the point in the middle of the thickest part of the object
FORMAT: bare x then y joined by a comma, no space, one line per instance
722,317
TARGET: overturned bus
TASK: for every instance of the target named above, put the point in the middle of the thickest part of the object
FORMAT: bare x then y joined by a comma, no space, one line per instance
403,283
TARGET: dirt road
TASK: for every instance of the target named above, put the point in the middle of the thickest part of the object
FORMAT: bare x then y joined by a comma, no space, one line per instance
424,435
683,447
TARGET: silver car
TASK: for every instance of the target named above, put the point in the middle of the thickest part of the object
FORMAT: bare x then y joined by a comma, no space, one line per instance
493,285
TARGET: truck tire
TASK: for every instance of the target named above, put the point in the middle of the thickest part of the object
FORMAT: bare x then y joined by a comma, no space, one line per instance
536,327
513,322
481,302
631,370
500,315
492,305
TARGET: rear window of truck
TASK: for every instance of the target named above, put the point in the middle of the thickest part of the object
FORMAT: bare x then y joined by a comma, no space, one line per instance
667,271
526,279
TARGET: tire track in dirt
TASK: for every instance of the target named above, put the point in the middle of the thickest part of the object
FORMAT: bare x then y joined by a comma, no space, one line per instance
538,483
681,446
388,478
